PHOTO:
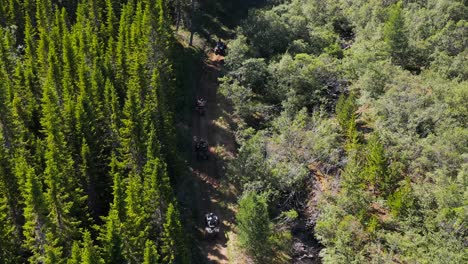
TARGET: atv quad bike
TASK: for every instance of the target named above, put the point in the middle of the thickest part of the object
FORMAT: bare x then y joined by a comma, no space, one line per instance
220,48
211,224
200,106
201,148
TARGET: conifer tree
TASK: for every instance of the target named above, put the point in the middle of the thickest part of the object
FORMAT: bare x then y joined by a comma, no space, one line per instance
345,110
35,211
52,250
64,196
89,254
111,234
111,239
132,132
43,17
151,253
75,257
112,111
111,19
30,64
95,12
173,249
118,192
9,246
376,164
23,109
157,190
69,86
135,227
122,48
9,189
395,34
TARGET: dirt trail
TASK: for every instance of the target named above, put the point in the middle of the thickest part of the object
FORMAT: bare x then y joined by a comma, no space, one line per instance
210,189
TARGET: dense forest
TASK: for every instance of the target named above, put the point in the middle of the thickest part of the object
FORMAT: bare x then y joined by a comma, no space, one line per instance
86,133
355,111
350,116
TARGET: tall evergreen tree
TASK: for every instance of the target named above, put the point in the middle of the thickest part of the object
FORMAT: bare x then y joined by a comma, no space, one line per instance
132,132
35,211
135,227
64,196
75,257
112,239
89,254
375,171
395,34
151,253
173,249
111,235
9,245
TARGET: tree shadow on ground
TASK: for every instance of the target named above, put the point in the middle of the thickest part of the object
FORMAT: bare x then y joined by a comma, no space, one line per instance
220,18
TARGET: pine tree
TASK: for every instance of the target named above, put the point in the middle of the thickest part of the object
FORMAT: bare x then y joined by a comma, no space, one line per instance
89,253
151,253
132,132
112,111
173,249
135,227
35,211
52,251
64,197
111,239
43,18
156,188
9,188
375,171
23,109
122,48
254,226
346,110
111,233
75,257
8,244
69,87
395,34
111,19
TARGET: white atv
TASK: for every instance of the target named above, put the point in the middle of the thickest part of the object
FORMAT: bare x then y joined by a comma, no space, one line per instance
211,224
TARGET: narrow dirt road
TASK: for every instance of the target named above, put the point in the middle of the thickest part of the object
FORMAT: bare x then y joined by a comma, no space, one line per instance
210,189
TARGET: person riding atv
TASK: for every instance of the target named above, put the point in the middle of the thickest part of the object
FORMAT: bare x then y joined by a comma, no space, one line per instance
211,224
201,148
220,48
200,106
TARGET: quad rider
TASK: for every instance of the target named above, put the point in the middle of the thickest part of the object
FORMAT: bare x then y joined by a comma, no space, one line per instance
220,48
200,106
201,148
211,224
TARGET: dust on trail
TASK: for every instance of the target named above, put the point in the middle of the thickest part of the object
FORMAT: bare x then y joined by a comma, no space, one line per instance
210,188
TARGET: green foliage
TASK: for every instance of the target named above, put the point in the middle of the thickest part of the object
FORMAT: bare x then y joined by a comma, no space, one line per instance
173,249
346,111
395,34
151,253
398,68
254,226
89,253
375,171
85,84
75,257
401,200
